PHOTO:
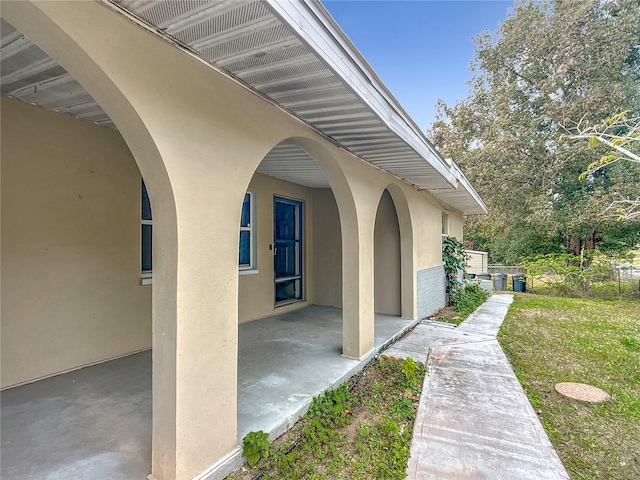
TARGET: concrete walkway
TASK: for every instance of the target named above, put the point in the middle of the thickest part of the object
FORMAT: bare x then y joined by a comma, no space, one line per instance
474,419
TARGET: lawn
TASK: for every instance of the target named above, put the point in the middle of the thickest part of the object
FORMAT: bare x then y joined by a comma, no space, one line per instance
361,430
595,341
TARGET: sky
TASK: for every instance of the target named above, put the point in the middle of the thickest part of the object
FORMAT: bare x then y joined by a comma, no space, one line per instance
420,49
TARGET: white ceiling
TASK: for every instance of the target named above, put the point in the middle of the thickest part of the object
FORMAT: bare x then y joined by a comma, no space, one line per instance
262,44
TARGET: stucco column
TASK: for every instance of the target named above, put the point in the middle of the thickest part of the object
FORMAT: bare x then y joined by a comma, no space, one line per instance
195,345
408,274
197,138
357,287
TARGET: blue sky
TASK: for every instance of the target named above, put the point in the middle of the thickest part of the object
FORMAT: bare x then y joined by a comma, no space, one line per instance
421,49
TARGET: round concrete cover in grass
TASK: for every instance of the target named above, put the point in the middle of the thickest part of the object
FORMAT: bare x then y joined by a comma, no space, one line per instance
582,392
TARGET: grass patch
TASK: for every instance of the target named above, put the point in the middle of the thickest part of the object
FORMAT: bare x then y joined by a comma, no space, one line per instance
589,340
362,433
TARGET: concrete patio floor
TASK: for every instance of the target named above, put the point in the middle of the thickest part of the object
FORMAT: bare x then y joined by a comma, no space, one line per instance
96,422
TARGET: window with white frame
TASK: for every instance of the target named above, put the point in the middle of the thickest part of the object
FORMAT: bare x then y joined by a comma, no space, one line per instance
146,235
247,250
445,224
247,254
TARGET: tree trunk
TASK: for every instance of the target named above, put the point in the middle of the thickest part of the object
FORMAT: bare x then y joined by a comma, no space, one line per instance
573,245
590,241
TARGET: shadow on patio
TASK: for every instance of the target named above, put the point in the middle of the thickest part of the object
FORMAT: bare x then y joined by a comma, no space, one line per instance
98,419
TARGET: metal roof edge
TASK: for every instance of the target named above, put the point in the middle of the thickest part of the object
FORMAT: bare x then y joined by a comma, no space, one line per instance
466,184
315,26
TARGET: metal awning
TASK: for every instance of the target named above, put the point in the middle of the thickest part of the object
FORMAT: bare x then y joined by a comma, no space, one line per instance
291,52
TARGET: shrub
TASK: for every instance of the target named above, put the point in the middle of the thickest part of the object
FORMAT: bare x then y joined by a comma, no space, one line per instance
454,258
469,298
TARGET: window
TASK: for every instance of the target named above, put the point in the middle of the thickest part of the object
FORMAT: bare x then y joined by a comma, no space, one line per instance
247,255
146,235
445,224
247,250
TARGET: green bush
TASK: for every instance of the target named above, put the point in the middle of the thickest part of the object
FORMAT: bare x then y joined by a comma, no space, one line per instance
454,258
468,299
409,368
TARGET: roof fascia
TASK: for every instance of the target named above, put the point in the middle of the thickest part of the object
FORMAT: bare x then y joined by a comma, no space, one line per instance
466,184
315,26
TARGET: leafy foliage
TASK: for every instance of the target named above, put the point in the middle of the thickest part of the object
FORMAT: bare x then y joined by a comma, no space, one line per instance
454,257
470,298
621,134
332,405
571,275
255,445
362,433
550,64
410,368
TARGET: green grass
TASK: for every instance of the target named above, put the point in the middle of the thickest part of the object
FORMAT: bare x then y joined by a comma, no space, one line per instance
595,341
364,433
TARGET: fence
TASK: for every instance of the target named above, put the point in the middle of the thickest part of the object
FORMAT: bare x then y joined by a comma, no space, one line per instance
508,269
622,279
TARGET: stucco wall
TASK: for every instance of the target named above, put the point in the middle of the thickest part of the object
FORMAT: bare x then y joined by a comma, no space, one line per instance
456,224
428,225
70,245
327,253
256,290
197,137
387,258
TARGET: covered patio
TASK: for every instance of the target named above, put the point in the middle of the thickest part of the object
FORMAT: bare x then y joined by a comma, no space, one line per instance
98,419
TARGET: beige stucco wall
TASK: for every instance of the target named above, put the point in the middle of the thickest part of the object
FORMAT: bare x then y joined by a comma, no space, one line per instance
70,245
456,224
428,225
256,290
197,137
387,258
327,252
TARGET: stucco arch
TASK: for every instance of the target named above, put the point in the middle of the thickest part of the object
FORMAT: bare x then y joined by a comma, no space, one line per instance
407,260
52,29
357,299
197,138
349,221
327,162
335,176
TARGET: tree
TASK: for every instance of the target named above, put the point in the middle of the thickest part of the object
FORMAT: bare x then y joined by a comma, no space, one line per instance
621,134
549,64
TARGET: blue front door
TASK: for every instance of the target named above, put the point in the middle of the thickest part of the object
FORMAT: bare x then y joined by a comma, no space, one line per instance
287,239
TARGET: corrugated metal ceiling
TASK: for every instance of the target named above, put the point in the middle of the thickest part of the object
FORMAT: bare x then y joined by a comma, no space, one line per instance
251,41
30,75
